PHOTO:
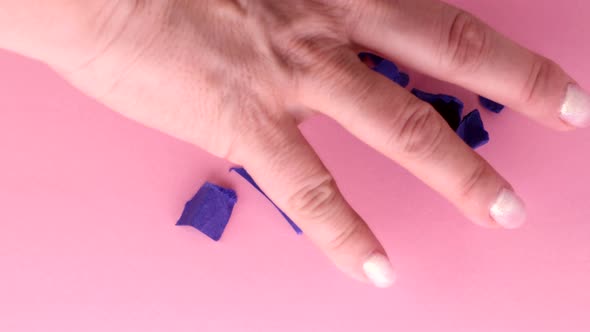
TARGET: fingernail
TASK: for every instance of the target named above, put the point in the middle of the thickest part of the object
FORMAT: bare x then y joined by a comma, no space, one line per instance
576,107
508,210
379,270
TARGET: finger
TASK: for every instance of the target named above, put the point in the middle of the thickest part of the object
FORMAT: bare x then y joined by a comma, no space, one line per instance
289,171
409,131
452,45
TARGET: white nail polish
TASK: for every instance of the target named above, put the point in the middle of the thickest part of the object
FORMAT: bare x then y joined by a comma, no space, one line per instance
576,107
508,210
379,270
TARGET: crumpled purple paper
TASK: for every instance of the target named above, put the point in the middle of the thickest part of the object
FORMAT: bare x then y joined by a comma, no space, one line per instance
243,173
385,68
472,131
403,79
209,210
470,128
449,107
490,105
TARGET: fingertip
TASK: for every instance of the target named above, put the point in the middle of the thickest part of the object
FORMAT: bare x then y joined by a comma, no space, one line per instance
575,110
508,210
379,270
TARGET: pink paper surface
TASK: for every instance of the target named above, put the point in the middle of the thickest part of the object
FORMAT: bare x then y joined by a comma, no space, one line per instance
88,202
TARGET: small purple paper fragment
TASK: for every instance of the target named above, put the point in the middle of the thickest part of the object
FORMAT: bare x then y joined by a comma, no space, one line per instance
243,173
209,210
449,107
385,68
403,79
472,131
490,105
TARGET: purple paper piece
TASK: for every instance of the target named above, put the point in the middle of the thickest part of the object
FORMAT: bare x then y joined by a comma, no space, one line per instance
403,79
472,130
385,68
391,71
490,105
209,210
243,173
449,107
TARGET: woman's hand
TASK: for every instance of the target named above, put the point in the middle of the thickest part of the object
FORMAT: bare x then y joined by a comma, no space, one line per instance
235,77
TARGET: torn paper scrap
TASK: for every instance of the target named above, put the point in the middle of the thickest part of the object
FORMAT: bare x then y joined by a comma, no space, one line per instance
385,68
243,173
403,79
209,210
449,107
472,130
490,105
390,70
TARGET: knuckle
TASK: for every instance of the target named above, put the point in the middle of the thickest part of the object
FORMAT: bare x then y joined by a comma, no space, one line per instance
303,51
467,45
317,57
337,67
419,135
305,36
343,75
361,13
540,75
473,179
316,199
345,235
248,127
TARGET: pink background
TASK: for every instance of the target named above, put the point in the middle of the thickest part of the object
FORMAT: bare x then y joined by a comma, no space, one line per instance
88,203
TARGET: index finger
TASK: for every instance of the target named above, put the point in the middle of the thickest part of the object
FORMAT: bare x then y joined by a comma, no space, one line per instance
453,45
